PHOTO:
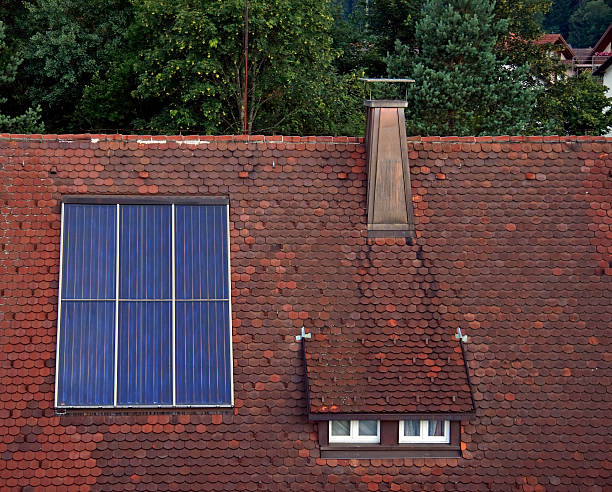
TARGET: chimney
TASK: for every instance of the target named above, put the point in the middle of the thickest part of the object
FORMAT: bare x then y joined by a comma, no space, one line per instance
390,212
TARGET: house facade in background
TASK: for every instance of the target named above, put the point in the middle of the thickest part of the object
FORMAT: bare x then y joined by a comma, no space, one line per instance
605,73
578,60
562,51
235,313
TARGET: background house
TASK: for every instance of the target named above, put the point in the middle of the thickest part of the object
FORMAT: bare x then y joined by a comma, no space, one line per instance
511,244
563,51
579,59
605,73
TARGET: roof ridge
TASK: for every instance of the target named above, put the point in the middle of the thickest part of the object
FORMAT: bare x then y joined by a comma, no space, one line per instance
185,139
204,139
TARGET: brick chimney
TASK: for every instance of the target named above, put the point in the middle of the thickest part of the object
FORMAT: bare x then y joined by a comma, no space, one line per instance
390,212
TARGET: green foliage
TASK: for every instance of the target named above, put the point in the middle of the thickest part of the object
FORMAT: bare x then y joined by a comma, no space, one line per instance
462,87
522,16
588,23
355,45
10,12
156,66
393,20
29,121
368,34
68,42
573,106
557,18
515,43
191,70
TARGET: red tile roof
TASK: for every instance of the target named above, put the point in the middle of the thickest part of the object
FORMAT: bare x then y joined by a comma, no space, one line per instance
548,38
558,39
513,246
403,370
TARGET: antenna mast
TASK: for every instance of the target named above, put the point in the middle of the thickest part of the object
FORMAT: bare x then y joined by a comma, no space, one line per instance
246,66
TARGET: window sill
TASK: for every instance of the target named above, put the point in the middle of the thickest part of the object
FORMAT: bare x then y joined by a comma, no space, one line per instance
365,451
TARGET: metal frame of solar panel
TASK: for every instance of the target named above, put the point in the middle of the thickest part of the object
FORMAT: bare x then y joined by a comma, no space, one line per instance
144,313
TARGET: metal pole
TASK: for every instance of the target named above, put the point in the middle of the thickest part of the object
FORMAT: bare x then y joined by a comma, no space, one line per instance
246,66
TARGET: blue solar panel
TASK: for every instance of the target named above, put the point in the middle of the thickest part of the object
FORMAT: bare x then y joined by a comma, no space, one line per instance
145,263
144,371
201,252
87,347
141,370
89,252
203,364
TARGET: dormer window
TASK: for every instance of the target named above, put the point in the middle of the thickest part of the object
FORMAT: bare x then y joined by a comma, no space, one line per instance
360,415
424,431
354,431
363,437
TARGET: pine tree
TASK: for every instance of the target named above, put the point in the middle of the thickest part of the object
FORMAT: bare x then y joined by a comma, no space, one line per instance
462,87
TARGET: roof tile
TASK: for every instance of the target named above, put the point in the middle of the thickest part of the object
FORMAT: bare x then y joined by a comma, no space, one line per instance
534,301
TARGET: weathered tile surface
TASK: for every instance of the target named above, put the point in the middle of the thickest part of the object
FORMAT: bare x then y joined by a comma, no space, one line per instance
513,246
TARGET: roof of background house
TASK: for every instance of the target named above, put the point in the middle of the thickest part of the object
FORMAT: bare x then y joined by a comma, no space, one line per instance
582,52
601,69
558,39
604,40
512,246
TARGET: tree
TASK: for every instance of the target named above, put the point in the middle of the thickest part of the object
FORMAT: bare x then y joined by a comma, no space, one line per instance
367,34
572,106
68,44
515,43
107,100
589,22
393,20
29,121
462,87
191,71
522,17
557,18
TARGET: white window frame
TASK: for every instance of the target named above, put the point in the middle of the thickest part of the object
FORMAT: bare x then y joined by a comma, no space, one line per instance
424,437
354,437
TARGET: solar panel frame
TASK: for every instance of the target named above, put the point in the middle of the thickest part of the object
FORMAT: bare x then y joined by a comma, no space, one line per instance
220,261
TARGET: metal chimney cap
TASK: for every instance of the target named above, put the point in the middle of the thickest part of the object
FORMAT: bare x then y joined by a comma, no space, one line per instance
385,103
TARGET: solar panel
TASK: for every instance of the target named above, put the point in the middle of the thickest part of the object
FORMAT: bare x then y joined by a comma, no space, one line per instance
202,295
145,308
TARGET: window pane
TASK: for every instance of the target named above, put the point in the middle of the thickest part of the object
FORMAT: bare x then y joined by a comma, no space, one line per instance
144,373
145,238
203,372
341,427
89,262
368,427
201,252
412,428
86,353
436,428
